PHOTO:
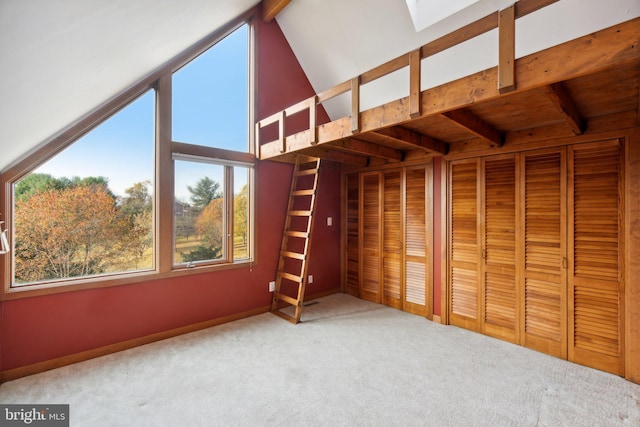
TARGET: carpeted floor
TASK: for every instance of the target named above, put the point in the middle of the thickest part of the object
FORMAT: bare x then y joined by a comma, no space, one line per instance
350,363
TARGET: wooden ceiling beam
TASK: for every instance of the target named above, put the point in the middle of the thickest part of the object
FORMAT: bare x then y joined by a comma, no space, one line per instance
477,126
368,149
270,8
562,101
412,138
326,153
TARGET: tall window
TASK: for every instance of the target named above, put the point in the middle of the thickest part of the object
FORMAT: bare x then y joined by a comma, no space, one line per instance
89,210
210,96
212,188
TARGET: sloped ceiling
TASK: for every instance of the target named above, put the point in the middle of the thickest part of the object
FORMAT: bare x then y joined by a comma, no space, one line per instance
61,59
336,40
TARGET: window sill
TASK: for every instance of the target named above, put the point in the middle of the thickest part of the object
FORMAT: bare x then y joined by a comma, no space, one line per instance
28,291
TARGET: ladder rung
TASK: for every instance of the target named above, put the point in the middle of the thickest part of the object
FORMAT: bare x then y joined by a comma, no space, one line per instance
302,159
306,172
303,192
289,254
301,234
290,276
299,213
289,300
285,316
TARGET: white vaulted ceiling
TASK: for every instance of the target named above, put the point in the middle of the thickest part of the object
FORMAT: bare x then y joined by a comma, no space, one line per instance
61,59
336,40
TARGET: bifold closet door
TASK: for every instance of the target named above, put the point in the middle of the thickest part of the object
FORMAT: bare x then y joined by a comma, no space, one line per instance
499,304
416,244
392,242
543,252
465,244
596,286
370,246
352,275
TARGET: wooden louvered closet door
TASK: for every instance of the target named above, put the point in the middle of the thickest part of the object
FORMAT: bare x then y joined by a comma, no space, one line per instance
352,279
416,245
392,276
499,290
370,247
544,230
386,256
595,253
464,245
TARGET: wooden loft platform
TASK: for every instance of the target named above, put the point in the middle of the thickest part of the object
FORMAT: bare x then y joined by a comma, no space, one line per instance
587,85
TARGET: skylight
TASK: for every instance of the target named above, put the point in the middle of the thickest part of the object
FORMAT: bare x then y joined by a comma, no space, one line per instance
425,13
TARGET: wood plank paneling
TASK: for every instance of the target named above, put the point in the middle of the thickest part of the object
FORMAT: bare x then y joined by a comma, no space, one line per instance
388,238
464,245
632,257
500,303
392,239
551,250
416,242
543,204
370,206
596,285
352,279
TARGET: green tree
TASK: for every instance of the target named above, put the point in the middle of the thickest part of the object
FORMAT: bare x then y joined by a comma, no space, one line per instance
201,253
204,192
38,182
32,184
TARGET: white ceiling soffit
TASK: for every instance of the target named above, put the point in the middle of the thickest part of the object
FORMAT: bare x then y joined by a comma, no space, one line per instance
336,40
62,59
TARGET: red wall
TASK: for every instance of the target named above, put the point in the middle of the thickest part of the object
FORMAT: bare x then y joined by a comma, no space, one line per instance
42,328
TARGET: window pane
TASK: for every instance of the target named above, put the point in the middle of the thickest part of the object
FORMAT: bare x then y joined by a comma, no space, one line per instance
198,212
210,100
241,223
88,210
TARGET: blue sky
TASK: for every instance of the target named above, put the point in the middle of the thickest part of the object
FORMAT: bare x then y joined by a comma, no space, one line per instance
209,108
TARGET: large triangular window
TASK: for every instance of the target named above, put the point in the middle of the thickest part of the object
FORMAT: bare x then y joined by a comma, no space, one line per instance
159,179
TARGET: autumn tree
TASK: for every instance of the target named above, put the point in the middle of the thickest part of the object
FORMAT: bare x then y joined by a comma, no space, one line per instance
209,222
136,208
240,222
64,233
137,199
206,212
209,227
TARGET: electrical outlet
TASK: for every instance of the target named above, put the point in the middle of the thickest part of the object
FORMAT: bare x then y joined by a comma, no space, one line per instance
310,281
272,286
329,221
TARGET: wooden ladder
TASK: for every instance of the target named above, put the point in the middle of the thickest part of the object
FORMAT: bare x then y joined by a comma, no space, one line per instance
296,239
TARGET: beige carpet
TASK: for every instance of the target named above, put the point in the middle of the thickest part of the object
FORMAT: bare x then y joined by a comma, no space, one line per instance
350,363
